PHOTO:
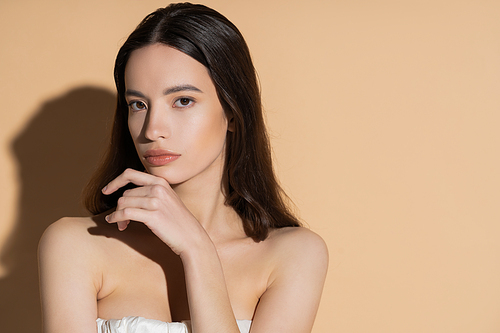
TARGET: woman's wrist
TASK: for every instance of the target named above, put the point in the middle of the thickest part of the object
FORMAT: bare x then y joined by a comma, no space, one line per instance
200,247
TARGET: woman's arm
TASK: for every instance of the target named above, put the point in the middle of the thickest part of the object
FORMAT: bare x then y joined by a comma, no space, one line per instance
68,284
290,303
208,298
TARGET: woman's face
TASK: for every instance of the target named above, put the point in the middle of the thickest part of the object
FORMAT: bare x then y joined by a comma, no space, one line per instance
175,117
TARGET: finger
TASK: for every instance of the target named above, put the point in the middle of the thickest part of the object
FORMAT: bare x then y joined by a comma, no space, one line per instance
128,214
161,192
132,176
147,203
141,191
122,225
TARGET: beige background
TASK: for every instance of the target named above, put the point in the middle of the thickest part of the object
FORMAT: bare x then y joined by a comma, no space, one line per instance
385,124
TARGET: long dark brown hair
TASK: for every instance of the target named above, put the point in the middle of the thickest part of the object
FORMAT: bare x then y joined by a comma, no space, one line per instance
248,180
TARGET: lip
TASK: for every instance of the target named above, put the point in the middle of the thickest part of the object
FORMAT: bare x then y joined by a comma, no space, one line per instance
158,157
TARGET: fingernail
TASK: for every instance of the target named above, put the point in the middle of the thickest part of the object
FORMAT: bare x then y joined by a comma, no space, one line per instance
107,218
105,188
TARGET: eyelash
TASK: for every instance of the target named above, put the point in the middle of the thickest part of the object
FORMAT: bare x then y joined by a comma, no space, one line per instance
190,101
133,104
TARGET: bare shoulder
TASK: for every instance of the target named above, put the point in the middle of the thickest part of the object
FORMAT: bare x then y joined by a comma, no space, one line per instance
68,230
70,225
70,240
299,247
298,239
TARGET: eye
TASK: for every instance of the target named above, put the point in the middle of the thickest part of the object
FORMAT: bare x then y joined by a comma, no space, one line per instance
137,106
183,102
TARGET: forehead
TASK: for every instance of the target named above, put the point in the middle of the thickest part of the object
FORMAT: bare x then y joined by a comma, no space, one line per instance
160,66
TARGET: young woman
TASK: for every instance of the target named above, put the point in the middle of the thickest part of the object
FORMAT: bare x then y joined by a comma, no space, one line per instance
191,229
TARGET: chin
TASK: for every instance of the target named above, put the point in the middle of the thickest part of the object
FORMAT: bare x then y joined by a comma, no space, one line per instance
168,176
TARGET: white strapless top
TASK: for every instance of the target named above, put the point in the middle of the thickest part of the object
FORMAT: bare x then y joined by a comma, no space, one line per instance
143,325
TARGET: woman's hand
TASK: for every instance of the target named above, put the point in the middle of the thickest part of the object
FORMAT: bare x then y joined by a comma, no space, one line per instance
155,204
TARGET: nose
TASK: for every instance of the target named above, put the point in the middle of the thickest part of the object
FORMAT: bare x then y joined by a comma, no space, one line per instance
156,125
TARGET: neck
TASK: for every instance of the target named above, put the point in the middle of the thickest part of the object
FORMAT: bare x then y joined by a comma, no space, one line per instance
205,200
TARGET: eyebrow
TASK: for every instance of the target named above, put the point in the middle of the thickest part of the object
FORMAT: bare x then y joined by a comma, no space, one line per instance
168,91
182,87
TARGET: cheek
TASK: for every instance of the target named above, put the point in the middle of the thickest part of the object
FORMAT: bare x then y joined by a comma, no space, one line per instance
208,130
215,131
134,127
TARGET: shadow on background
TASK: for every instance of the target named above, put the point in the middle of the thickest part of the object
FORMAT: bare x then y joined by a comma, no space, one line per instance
56,154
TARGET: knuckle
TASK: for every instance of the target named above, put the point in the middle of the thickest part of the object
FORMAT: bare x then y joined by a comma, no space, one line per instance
113,216
155,203
126,212
129,172
157,189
